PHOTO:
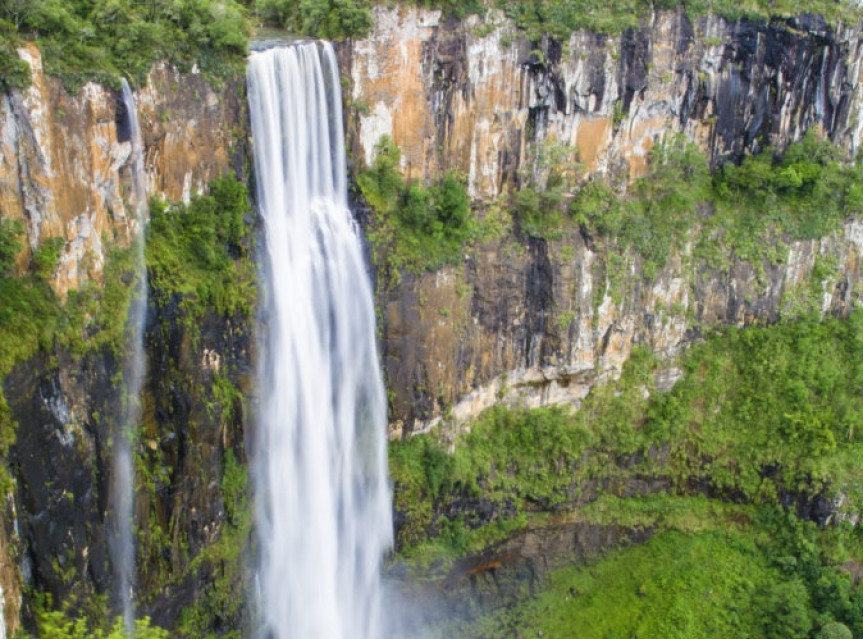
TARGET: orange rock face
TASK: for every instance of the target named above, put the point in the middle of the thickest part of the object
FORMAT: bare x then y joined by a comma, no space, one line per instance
65,172
530,322
475,97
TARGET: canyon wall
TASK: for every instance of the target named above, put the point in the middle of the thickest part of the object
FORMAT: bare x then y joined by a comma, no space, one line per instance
65,171
475,96
531,321
65,159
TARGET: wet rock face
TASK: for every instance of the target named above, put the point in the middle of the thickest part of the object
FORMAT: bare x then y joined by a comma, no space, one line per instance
501,576
65,171
62,473
62,461
474,96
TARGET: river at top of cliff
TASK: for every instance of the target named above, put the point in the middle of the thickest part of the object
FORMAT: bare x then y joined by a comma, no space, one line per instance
269,37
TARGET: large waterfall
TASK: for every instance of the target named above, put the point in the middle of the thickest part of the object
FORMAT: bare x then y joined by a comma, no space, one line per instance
323,514
123,489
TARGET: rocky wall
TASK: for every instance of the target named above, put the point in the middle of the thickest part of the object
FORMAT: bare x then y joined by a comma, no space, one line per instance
65,159
475,96
532,322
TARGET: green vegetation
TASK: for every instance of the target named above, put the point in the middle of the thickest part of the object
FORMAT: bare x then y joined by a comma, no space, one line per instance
338,19
761,417
559,18
760,414
414,227
222,603
29,313
105,39
57,625
712,584
330,19
743,212
200,252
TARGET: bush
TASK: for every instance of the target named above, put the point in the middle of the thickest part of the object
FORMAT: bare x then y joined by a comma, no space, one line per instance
198,252
103,40
414,227
330,19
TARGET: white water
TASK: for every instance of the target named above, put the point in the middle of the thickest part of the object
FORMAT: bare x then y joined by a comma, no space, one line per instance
323,495
123,489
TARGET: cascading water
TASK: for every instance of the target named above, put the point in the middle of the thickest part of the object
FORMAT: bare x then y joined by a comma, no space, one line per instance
122,494
323,517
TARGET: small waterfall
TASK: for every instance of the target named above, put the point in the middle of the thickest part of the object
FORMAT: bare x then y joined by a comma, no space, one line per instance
2,616
134,367
322,489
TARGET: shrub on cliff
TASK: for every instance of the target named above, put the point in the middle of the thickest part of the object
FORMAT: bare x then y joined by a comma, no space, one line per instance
414,227
330,19
197,251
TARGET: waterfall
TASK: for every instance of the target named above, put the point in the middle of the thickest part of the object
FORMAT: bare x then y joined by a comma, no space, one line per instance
323,497
134,366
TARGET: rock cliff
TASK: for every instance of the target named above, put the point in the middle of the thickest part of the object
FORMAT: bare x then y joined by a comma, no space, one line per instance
531,321
64,159
65,171
475,96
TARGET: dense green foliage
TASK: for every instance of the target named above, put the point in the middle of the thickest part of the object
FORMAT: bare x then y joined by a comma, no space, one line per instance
106,39
761,417
718,583
338,19
57,625
559,18
200,252
330,19
198,259
414,227
760,413
747,211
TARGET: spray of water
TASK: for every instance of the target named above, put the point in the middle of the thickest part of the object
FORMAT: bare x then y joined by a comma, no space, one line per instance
134,367
323,495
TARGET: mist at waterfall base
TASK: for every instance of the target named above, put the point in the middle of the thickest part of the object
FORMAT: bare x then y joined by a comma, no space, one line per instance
322,491
123,478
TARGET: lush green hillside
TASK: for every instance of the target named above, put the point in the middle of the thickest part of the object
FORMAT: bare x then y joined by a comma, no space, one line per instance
716,583
761,426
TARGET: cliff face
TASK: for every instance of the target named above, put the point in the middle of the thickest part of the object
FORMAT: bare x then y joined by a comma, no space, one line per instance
65,159
65,171
474,96
536,324
529,321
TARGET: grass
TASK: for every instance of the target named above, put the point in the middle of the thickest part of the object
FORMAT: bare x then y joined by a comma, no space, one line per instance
199,253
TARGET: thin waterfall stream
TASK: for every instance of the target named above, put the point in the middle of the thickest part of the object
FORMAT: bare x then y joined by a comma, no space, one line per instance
134,368
322,489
